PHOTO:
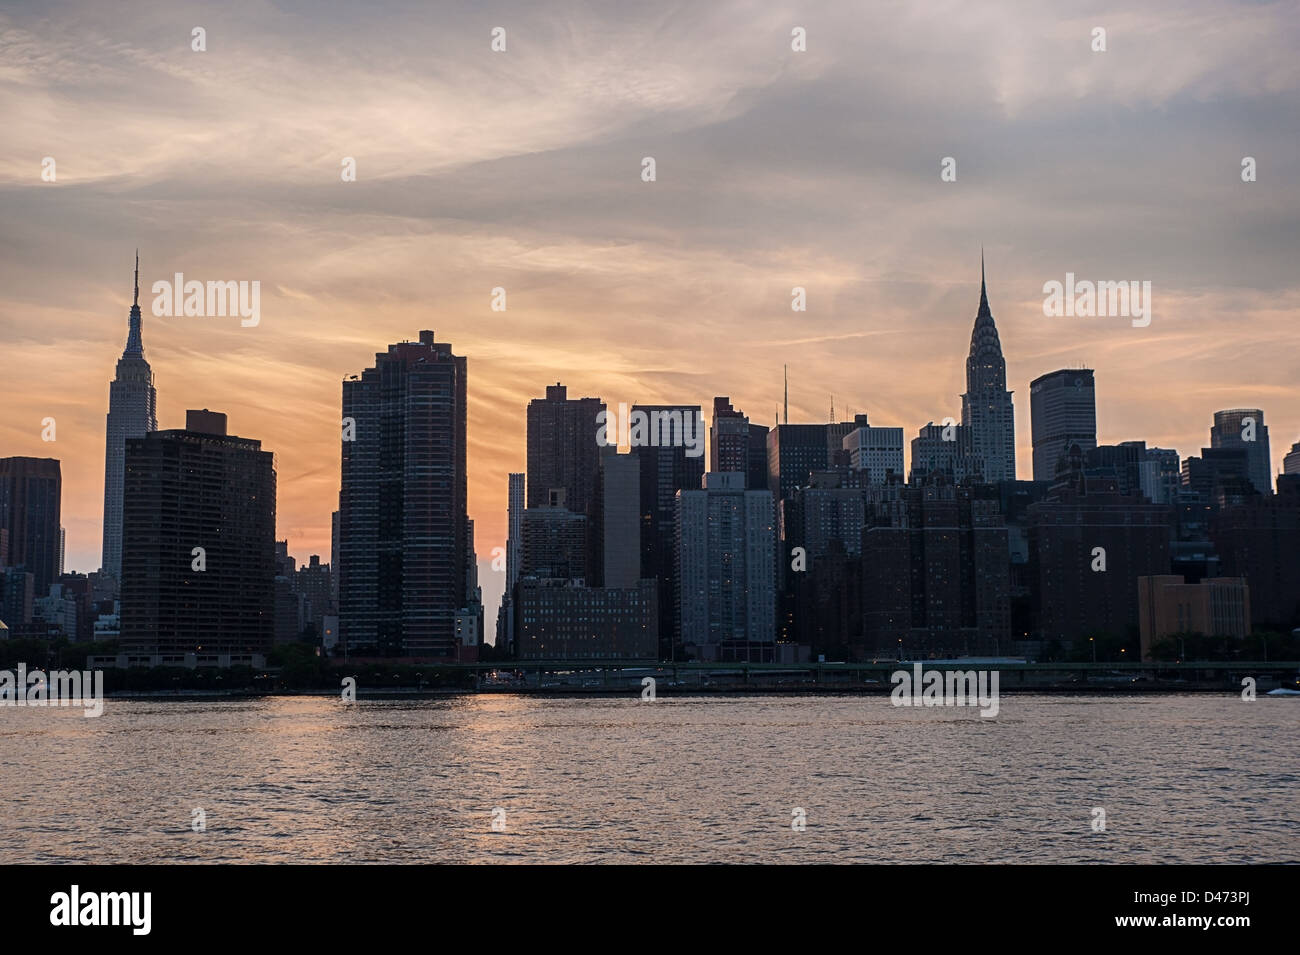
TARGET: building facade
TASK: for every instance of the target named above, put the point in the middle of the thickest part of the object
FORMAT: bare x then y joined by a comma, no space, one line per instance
726,558
198,541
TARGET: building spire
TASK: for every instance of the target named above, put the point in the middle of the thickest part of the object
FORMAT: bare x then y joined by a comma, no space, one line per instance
984,295
134,337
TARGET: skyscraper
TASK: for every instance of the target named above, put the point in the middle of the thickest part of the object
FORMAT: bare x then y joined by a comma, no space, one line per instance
1062,412
986,407
31,492
666,467
403,524
615,522
735,444
198,541
1244,428
563,455
132,413
726,560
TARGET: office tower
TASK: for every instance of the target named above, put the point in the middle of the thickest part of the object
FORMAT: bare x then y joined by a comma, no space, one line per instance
793,452
1170,607
1062,412
735,444
668,463
1291,463
614,527
1258,538
198,541
554,544
1244,428
726,559
562,451
402,504
875,451
945,453
1088,545
132,413
986,407
30,495
728,438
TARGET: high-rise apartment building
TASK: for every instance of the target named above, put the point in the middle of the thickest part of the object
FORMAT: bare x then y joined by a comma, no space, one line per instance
403,525
198,541
726,560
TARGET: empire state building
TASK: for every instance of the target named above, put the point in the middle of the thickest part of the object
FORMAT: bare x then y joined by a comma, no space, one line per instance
132,411
986,407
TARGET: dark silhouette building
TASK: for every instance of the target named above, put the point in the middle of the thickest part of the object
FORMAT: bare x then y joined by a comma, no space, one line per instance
563,455
665,468
1258,538
1244,428
31,492
403,525
554,544
935,573
736,444
1088,545
198,541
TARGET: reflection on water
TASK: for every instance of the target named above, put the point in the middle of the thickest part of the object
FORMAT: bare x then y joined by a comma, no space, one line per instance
1182,779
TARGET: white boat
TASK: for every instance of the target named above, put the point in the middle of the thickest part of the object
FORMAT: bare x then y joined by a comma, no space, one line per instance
1283,691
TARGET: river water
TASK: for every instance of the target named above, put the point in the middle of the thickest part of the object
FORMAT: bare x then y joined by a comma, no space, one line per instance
706,779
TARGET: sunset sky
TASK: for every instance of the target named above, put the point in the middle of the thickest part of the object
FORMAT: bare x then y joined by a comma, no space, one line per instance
522,169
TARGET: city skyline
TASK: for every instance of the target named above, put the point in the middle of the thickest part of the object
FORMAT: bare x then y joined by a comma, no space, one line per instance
133,355
675,291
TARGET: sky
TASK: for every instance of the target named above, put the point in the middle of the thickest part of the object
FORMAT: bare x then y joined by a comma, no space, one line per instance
522,169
